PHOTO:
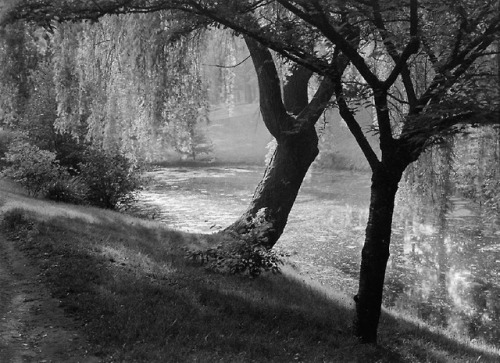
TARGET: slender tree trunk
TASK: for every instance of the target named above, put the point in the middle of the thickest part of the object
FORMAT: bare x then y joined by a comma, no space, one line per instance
375,253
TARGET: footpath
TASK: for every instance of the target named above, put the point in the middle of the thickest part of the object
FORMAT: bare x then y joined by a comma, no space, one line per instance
33,327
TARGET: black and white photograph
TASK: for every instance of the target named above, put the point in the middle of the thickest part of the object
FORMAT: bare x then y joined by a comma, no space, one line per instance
249,181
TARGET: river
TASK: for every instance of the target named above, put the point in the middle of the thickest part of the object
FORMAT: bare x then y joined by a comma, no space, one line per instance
444,266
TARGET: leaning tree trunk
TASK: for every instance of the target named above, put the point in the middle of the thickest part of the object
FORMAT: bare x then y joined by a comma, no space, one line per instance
375,253
273,199
292,125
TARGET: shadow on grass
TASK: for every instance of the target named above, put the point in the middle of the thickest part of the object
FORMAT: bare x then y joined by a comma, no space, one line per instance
139,300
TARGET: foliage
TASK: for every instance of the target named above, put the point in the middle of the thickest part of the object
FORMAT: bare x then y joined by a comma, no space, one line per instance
122,84
101,179
68,189
477,168
118,83
468,165
111,179
32,167
243,257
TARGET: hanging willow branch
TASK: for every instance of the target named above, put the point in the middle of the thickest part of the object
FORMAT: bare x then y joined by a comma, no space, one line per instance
231,66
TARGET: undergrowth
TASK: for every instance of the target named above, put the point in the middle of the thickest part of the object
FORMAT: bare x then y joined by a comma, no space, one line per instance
242,257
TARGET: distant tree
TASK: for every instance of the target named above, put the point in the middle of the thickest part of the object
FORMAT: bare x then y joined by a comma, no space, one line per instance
381,40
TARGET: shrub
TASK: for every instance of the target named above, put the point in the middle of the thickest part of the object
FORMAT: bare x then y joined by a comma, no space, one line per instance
101,179
245,255
239,258
68,189
111,179
33,168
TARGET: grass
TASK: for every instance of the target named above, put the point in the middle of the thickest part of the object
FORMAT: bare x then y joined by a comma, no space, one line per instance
139,299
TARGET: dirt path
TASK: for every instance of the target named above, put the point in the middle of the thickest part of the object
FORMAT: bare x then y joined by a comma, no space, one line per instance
33,328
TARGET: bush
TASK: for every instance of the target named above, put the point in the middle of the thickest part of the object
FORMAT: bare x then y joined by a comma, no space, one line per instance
100,179
68,190
33,168
238,258
245,255
111,179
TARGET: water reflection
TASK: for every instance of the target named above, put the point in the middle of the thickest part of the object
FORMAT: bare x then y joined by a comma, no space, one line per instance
445,258
447,271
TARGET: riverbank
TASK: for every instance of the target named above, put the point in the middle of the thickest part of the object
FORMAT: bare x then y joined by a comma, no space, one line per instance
128,290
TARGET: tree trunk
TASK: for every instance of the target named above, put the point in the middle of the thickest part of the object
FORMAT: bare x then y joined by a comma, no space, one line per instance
297,146
295,91
274,197
375,253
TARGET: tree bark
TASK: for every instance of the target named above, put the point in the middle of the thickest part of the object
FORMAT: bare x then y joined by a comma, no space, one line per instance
375,252
274,197
295,91
297,146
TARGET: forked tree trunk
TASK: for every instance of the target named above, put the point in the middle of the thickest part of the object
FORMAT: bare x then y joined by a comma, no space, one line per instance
292,124
375,253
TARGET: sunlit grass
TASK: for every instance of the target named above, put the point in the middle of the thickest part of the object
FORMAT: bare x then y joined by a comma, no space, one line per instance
139,299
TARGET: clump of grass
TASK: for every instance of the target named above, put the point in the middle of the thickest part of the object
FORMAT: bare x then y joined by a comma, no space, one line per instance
139,300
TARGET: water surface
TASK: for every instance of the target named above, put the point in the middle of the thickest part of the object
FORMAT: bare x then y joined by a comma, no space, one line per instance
445,258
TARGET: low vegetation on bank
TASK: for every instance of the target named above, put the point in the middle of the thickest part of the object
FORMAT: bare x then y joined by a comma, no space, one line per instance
140,299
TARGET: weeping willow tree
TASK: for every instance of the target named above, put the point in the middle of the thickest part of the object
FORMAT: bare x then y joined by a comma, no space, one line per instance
228,69
465,160
129,84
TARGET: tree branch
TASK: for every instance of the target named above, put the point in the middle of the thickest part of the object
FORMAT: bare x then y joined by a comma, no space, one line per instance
319,19
424,127
272,108
231,66
401,66
353,125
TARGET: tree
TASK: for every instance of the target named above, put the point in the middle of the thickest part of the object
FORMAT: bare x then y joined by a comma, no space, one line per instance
120,84
126,84
381,40
296,137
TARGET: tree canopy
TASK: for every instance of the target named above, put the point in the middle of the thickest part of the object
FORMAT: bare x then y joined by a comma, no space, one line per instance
385,41
124,83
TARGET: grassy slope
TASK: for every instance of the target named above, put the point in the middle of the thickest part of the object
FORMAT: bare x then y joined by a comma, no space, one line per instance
139,300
